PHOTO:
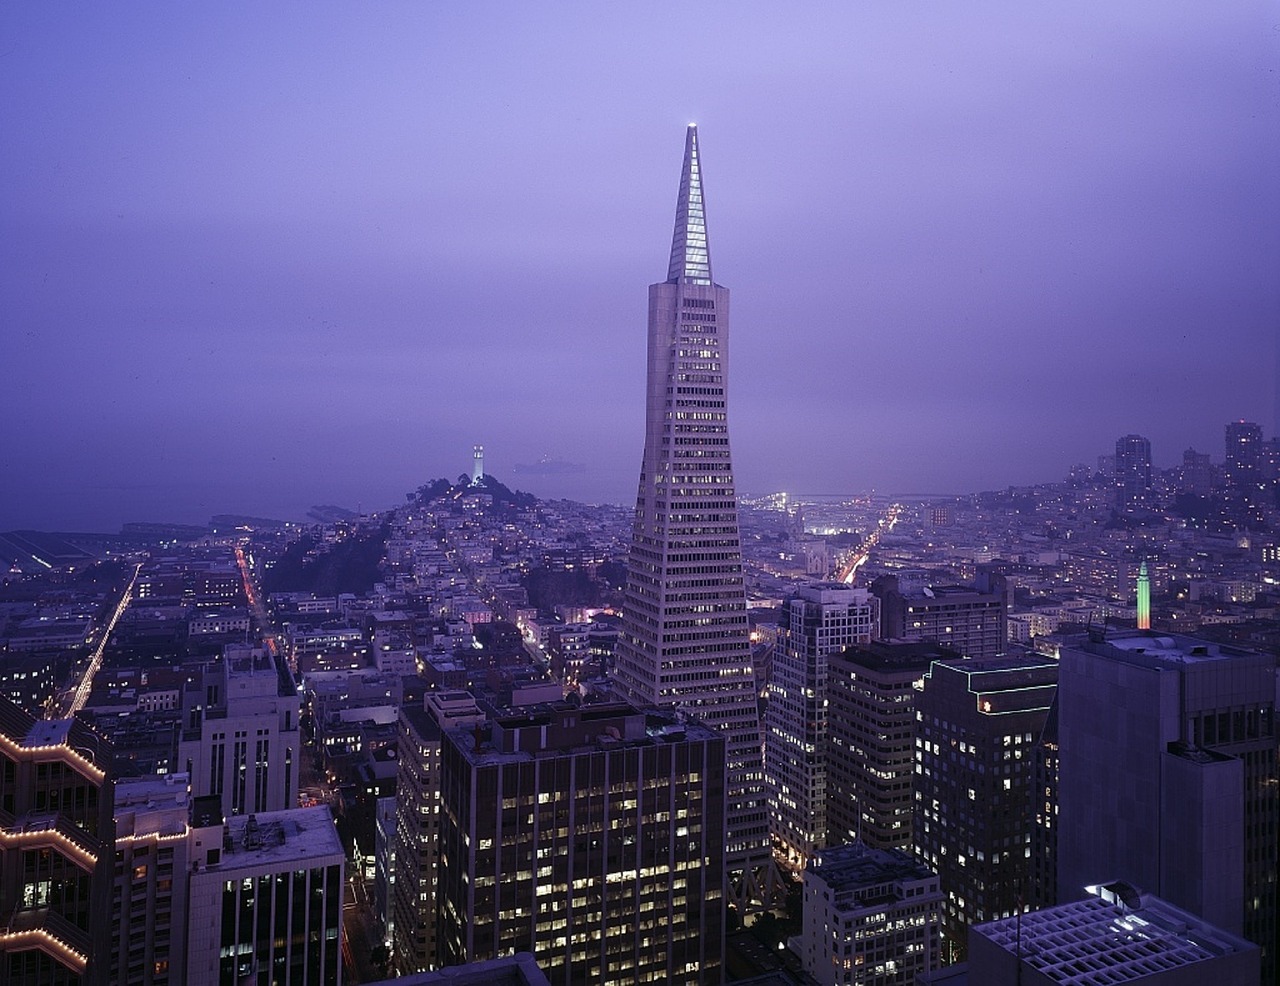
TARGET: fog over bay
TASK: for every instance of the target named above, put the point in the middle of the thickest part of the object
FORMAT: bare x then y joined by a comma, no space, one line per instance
258,257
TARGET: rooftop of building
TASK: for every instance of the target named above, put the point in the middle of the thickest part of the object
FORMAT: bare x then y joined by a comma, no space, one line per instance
420,721
898,655
512,970
559,728
292,836
1116,935
25,731
1149,648
155,790
830,592
1000,685
151,806
856,866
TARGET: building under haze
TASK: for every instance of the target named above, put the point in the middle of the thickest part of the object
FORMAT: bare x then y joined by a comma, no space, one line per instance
1133,471
1241,466
684,639
1197,473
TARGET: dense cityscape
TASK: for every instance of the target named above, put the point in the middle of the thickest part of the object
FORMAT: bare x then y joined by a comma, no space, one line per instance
1024,735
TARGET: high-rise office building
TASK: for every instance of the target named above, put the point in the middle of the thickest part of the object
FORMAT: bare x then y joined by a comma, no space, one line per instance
1168,776
591,838
1241,468
197,899
979,721
1042,879
1133,471
55,851
871,730
685,640
239,738
1197,473
1244,474
417,842
819,620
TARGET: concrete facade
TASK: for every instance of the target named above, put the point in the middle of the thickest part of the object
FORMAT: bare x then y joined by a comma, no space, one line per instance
1168,775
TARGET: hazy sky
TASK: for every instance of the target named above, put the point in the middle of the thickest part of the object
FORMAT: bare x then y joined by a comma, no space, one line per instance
259,256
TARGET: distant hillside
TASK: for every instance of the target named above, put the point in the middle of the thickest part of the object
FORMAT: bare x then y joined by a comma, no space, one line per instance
349,565
440,489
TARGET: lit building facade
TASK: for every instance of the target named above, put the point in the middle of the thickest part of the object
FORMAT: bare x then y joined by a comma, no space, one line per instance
871,916
819,620
871,730
591,838
978,724
685,639
149,893
417,840
969,620
55,851
1144,598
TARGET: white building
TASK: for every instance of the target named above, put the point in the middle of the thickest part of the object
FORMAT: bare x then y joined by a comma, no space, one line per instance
870,916
239,736
821,619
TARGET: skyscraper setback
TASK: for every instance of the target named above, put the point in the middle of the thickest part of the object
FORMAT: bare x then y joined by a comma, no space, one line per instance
684,640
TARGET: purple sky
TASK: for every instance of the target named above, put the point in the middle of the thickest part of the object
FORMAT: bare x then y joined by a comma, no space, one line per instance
255,257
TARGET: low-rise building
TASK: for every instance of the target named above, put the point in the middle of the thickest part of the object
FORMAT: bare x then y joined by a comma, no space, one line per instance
870,916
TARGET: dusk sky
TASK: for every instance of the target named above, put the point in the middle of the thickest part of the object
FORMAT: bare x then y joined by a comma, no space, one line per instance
255,257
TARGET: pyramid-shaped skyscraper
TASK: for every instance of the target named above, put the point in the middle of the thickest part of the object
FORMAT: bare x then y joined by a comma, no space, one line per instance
685,641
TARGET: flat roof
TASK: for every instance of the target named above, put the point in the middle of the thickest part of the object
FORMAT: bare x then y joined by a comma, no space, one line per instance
856,865
1103,940
288,837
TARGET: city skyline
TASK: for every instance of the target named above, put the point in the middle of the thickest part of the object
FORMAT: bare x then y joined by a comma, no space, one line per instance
250,267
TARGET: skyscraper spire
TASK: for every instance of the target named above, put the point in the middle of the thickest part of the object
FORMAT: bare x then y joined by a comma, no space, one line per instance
690,258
